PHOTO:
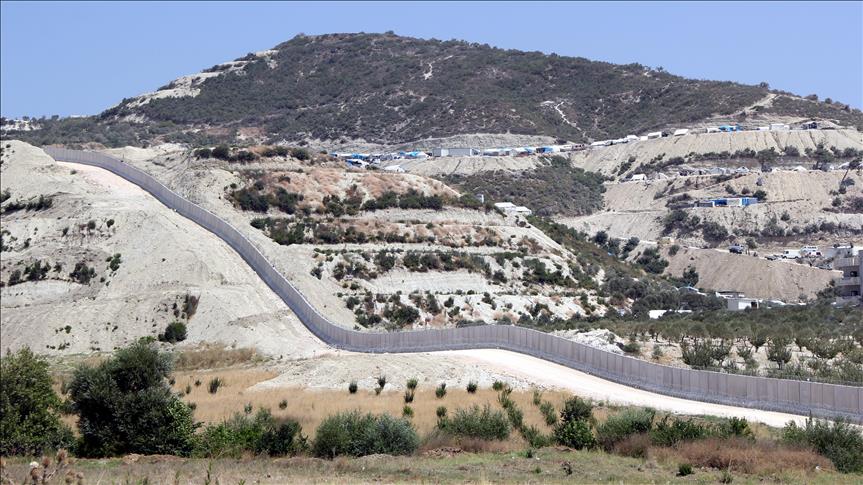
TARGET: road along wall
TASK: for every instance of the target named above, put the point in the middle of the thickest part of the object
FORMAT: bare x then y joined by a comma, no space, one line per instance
785,395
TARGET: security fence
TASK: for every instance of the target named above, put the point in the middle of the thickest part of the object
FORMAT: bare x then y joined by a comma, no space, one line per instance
785,395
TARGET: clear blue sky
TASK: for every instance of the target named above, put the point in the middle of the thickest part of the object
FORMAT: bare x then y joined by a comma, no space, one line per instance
80,58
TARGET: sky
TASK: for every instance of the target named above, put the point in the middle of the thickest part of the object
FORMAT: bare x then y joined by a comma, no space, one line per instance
79,58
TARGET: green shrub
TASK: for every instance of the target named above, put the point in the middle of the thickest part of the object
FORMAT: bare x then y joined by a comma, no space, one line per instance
412,384
475,422
352,387
125,405
548,412
407,412
440,412
29,408
576,409
684,469
440,392
261,433
498,385
620,426
669,432
354,434
735,427
838,441
574,434
283,404
472,387
382,381
409,396
174,332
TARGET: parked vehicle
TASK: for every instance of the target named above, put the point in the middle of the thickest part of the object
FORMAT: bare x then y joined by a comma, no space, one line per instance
791,254
735,249
809,251
773,257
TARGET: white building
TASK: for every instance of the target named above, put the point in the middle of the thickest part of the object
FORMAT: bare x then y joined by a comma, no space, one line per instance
509,208
681,132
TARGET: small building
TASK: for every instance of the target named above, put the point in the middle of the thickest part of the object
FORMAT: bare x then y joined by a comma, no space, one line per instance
632,138
455,152
637,177
734,201
602,143
712,129
548,149
739,304
849,286
509,208
394,168
779,127
730,128
654,135
681,132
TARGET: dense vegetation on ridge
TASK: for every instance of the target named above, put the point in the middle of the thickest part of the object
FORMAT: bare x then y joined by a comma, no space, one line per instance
389,89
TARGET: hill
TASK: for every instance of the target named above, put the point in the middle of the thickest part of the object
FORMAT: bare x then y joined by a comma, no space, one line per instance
387,89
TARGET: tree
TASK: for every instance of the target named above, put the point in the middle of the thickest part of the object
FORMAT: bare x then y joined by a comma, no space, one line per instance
690,276
823,157
125,405
778,351
852,165
29,408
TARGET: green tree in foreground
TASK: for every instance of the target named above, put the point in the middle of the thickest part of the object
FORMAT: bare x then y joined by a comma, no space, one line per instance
29,408
126,406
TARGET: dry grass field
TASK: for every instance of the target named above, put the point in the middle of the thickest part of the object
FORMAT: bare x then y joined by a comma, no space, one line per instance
548,465
310,407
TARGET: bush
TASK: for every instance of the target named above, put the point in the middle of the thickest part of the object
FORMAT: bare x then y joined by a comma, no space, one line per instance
125,405
215,384
574,434
407,412
472,387
412,384
260,433
684,469
300,153
498,385
174,332
475,422
669,433
440,392
352,387
548,412
576,409
409,396
838,441
440,412
354,434
29,408
735,427
620,426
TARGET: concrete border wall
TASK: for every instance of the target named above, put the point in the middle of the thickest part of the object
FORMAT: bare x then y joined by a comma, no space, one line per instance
798,397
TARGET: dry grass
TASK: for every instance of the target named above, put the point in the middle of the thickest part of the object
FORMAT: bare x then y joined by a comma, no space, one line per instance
310,406
214,357
444,467
740,455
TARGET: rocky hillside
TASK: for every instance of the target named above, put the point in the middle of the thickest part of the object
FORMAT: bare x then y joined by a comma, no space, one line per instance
387,89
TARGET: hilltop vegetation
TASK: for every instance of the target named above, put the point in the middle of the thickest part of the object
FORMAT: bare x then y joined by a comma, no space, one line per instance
389,89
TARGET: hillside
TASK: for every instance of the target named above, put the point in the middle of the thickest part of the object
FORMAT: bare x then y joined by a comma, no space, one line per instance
386,89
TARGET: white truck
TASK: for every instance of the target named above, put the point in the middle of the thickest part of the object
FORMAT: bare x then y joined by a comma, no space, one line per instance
809,251
791,254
